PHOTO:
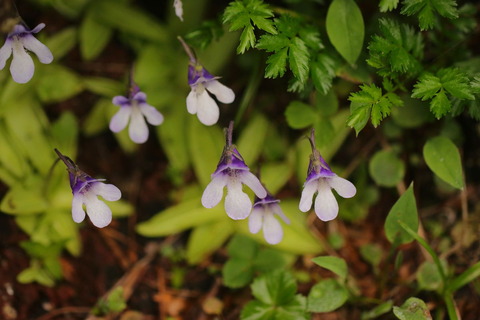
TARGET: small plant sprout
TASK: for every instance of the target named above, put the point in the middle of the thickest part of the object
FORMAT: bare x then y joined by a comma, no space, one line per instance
177,4
321,179
198,100
232,172
263,217
85,191
19,40
135,109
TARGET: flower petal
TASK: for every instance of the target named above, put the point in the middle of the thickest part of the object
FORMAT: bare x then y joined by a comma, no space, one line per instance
177,4
255,220
153,116
138,129
43,53
140,97
223,93
276,209
120,119
207,109
326,206
214,191
307,195
77,208
107,191
253,183
344,188
237,204
272,229
192,102
98,212
5,53
121,101
37,29
22,67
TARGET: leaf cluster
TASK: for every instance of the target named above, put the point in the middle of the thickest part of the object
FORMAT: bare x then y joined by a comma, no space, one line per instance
442,87
426,11
246,15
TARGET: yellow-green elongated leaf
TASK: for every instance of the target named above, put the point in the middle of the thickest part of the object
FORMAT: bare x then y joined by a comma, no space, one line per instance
65,133
20,200
404,210
10,159
206,145
94,36
58,83
269,175
345,28
62,42
207,238
250,142
443,158
180,217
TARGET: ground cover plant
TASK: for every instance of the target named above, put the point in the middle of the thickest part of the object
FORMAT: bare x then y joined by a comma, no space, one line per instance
246,159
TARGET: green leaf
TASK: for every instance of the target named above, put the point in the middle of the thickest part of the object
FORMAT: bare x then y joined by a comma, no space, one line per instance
372,253
94,36
412,309
300,115
397,50
62,42
326,296
104,86
386,168
237,273
20,201
323,71
404,210
277,64
205,145
65,133
426,9
465,277
298,59
244,14
388,5
429,277
334,264
252,138
377,311
242,247
277,288
295,310
125,17
443,158
345,28
180,217
201,243
58,84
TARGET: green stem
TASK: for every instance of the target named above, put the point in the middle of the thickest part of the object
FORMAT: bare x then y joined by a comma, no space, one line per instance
450,303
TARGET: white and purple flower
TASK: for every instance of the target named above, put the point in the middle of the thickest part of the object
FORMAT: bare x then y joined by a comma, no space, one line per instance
263,217
201,82
177,4
135,109
232,172
321,180
85,191
18,41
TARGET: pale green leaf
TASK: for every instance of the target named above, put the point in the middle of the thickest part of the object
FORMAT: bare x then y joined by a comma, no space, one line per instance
443,158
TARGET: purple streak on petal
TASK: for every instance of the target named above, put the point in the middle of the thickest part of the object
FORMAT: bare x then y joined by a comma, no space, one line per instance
214,191
255,220
326,206
231,159
265,201
78,214
237,203
138,130
344,188
121,101
32,44
120,120
198,74
5,52
22,66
